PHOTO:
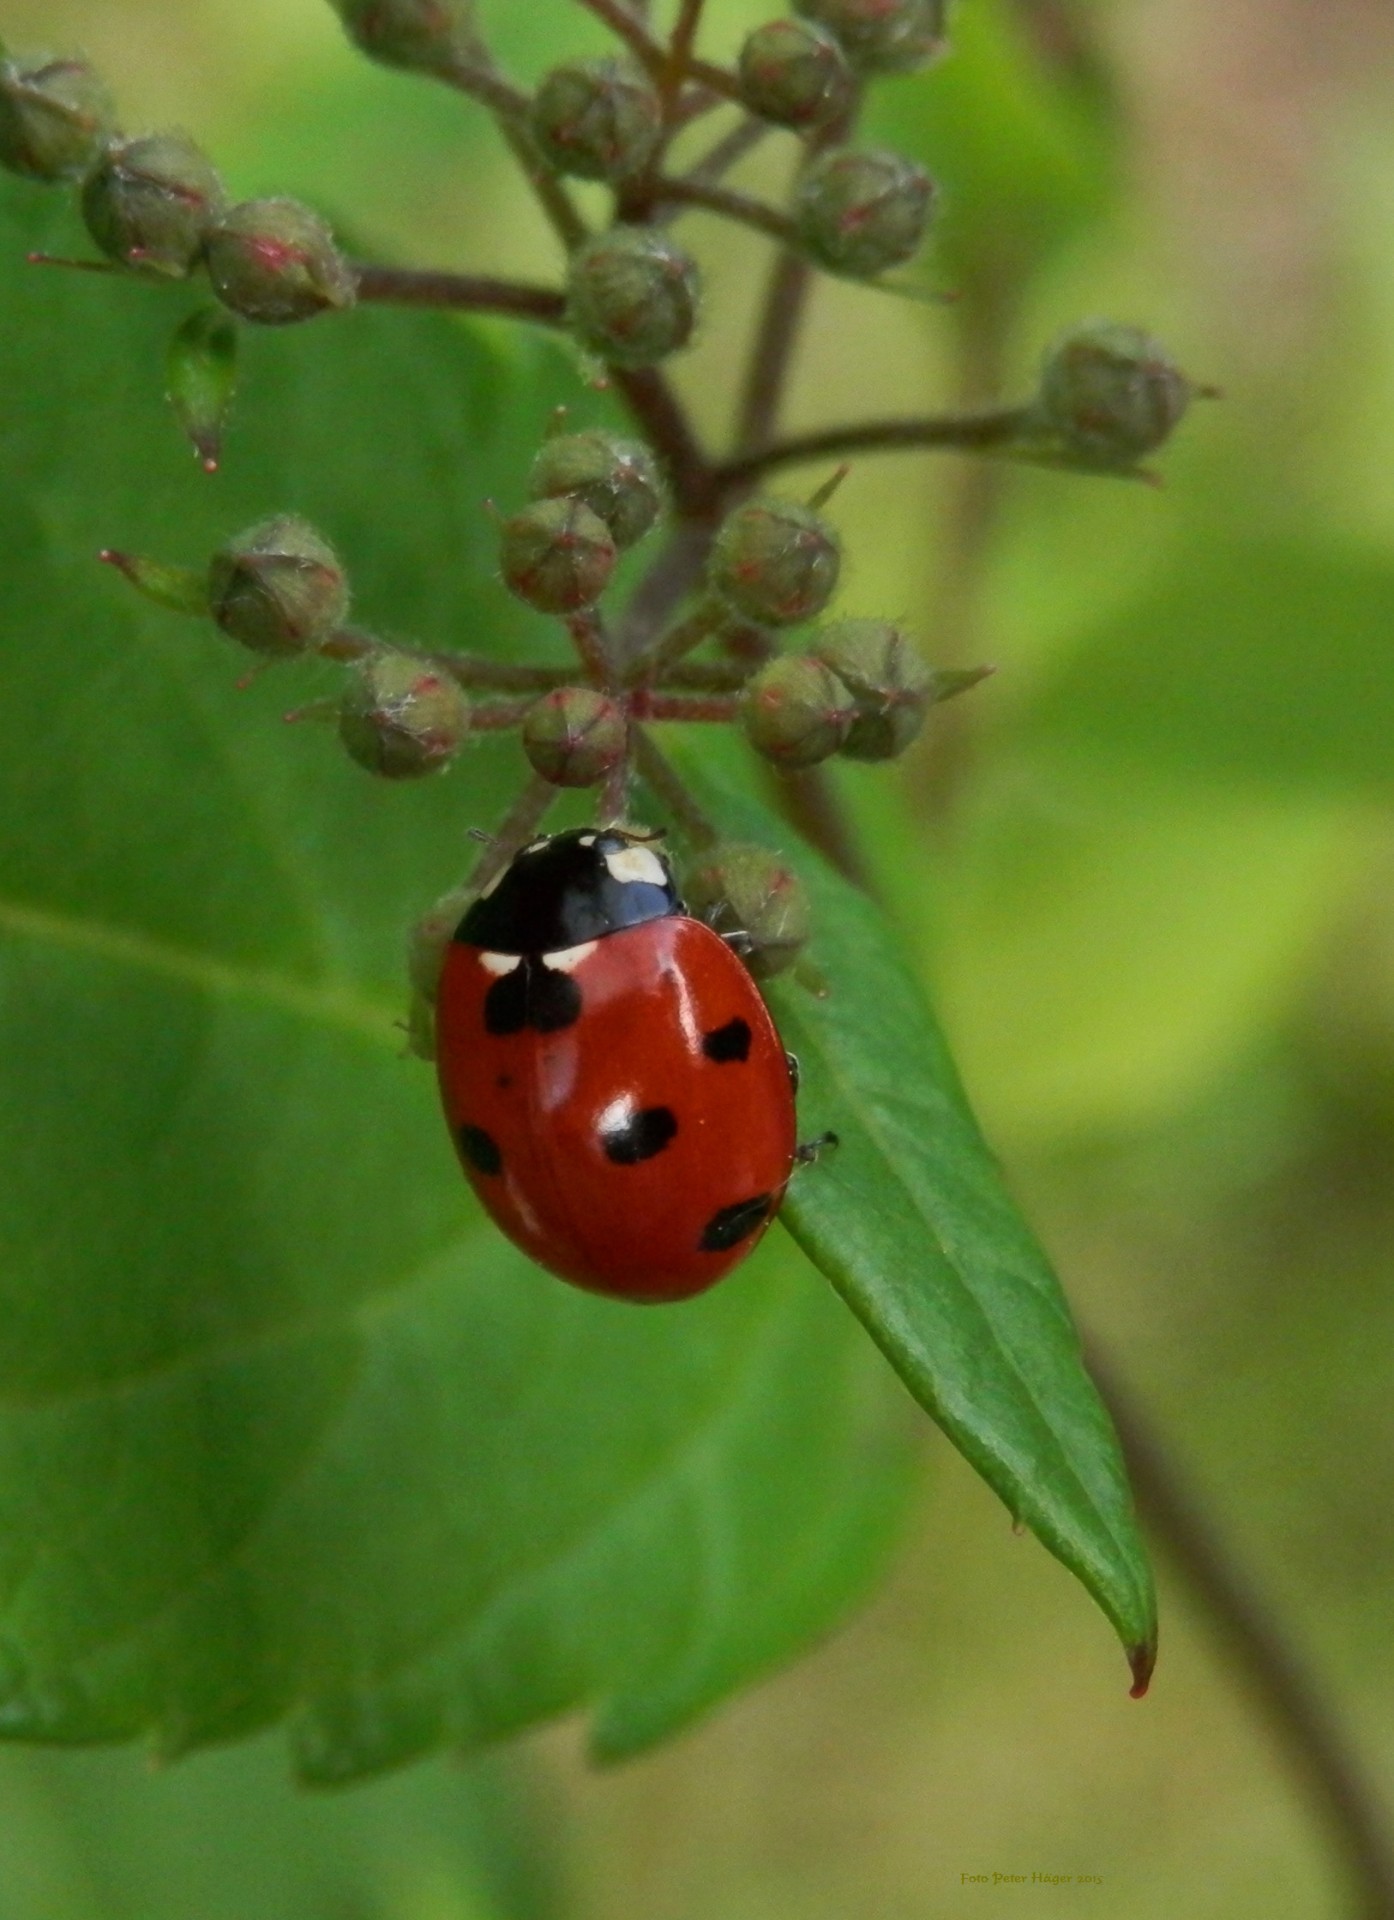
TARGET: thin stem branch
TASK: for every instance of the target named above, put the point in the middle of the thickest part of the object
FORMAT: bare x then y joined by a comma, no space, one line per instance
498,715
692,192
665,424
635,32
990,430
724,707
552,196
1286,1690
588,636
483,82
664,587
658,772
461,292
728,151
705,619
518,826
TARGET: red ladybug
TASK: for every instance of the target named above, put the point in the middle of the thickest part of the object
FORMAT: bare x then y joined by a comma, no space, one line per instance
613,1081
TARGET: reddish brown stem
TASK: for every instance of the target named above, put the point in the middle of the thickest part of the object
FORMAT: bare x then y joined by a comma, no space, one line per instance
991,430
462,292
499,715
690,191
724,707
588,636
658,772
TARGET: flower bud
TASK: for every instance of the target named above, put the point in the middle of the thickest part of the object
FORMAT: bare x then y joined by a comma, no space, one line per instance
278,588
275,262
1112,394
632,296
859,212
597,119
55,117
424,36
149,203
747,895
618,480
882,36
401,717
890,685
426,945
796,712
557,555
575,737
775,562
794,74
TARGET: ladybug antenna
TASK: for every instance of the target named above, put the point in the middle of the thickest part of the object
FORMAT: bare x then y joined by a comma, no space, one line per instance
480,838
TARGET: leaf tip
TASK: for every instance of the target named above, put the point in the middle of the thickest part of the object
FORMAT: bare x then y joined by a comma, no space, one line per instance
1142,1659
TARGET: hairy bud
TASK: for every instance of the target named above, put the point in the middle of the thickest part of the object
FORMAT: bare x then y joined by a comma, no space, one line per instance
775,562
575,737
278,588
597,119
890,685
882,36
55,117
425,36
150,202
1112,394
275,262
618,480
632,296
796,712
795,74
747,895
859,212
557,555
401,717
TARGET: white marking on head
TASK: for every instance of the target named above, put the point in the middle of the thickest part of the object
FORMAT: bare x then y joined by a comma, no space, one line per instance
500,963
637,863
567,959
586,840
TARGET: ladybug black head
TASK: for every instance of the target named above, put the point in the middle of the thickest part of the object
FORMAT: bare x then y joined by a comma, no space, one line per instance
569,888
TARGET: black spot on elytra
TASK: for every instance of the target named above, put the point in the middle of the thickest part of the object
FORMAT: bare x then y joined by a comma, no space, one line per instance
731,1042
640,1137
504,1082
730,1225
481,1150
532,995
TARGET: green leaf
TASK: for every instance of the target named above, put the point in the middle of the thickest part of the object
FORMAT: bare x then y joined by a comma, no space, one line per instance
911,1221
285,1430
202,371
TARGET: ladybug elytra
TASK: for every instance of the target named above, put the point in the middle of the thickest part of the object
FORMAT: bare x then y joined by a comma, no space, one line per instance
613,1081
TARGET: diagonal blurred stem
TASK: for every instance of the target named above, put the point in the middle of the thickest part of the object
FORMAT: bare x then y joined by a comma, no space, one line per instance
1283,1686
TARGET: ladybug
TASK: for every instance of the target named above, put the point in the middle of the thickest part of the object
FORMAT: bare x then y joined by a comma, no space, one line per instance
619,1097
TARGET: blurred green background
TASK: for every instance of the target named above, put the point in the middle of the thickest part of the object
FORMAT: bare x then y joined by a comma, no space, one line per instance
1150,874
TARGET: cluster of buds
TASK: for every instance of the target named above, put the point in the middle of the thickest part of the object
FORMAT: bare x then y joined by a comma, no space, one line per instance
155,204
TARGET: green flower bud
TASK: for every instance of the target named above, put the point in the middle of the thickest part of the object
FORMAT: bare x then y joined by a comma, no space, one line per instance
275,262
795,712
632,296
1112,394
149,203
426,945
775,562
748,896
278,588
401,717
557,555
859,212
424,36
597,119
793,73
890,685
575,737
55,117
618,480
882,36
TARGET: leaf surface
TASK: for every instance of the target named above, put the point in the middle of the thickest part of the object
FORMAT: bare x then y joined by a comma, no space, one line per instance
286,1432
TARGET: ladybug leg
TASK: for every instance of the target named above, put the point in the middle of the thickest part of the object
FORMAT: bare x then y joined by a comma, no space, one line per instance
805,1155
791,1060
